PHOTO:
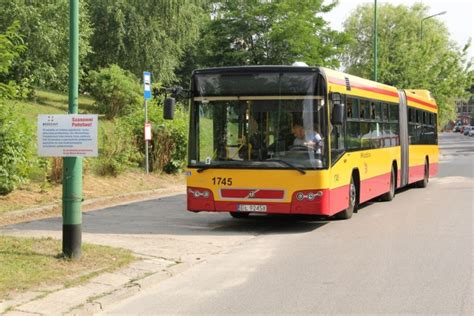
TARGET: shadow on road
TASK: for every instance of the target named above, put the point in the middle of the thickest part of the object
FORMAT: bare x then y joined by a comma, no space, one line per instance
168,216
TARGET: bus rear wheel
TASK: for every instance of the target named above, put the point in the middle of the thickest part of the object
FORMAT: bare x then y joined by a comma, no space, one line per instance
347,213
391,193
424,183
239,215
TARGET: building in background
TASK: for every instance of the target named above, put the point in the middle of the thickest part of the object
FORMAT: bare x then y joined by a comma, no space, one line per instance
465,111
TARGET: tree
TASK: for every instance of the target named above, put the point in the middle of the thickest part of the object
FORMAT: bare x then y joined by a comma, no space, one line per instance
270,32
11,45
116,91
144,35
44,27
405,60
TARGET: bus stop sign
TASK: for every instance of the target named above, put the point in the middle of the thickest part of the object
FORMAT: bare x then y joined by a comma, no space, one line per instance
147,85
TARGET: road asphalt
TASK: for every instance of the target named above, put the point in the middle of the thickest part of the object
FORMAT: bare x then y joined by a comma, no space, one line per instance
413,255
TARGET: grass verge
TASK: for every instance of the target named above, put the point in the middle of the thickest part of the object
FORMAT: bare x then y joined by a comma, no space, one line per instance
30,263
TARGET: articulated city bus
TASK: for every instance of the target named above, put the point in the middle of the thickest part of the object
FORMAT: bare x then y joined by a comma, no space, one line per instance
303,140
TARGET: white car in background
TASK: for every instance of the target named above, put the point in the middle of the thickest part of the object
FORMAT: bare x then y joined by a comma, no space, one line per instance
471,132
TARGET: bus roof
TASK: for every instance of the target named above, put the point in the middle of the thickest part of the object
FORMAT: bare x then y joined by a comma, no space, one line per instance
246,69
357,86
340,82
421,99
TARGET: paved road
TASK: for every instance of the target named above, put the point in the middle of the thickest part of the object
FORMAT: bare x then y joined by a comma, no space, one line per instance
412,255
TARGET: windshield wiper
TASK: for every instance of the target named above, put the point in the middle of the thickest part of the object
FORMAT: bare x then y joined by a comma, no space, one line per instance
201,169
214,164
288,164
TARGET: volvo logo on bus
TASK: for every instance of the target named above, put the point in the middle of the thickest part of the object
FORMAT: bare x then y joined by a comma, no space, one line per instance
252,194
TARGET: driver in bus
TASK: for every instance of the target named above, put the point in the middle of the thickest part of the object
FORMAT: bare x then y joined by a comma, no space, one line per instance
312,141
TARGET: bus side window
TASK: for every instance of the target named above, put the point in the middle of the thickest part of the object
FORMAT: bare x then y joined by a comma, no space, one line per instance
393,109
349,112
372,110
364,109
378,111
384,107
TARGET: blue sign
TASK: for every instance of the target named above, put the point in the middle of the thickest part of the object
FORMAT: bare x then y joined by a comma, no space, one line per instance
147,85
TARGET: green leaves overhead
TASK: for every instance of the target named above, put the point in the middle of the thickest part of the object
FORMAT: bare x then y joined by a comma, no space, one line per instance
405,59
270,32
11,45
144,35
44,27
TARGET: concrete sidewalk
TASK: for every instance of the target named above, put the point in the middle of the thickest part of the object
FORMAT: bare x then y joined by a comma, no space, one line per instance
166,238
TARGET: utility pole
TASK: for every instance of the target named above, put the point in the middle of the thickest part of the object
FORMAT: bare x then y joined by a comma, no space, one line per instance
72,166
428,17
375,41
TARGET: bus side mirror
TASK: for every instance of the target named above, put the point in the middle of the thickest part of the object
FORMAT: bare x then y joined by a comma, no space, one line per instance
169,107
338,110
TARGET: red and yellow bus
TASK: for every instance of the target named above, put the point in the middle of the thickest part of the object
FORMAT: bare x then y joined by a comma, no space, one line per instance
303,140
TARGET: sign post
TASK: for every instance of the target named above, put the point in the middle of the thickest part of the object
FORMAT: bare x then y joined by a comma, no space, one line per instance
72,166
147,96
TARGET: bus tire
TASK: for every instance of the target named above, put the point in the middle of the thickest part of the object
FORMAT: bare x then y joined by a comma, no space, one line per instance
239,215
424,183
347,213
391,192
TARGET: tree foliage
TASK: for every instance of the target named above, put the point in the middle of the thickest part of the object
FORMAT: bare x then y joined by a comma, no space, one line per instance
144,35
115,90
44,27
269,32
11,45
405,60
16,148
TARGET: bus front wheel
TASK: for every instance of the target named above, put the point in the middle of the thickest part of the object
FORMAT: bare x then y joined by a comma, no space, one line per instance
347,213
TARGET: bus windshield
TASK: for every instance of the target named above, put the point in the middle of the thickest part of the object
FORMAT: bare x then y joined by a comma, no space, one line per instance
259,131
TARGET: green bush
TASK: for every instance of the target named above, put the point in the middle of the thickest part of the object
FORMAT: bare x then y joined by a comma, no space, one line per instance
16,148
117,92
118,151
169,143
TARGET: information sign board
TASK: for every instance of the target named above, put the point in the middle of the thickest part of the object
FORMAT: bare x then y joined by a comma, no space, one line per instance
67,135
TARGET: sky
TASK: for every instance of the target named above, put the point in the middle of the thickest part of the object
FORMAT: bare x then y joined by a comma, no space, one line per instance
458,18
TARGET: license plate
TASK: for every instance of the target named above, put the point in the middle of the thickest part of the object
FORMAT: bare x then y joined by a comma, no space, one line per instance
252,208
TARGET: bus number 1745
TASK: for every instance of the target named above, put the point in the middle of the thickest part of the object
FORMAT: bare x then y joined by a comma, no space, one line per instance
222,181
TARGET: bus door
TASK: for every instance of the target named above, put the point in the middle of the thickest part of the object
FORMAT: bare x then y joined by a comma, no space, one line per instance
403,138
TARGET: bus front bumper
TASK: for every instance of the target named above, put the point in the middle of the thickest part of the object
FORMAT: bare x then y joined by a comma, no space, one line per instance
307,202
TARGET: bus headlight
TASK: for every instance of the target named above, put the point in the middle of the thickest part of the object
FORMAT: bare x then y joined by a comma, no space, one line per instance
310,196
197,193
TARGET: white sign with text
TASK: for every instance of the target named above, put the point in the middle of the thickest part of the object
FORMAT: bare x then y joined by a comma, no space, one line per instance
67,135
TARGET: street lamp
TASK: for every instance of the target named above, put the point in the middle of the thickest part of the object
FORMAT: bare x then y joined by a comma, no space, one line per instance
428,17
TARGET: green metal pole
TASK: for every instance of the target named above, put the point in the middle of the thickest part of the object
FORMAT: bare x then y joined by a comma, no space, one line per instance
375,41
72,166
